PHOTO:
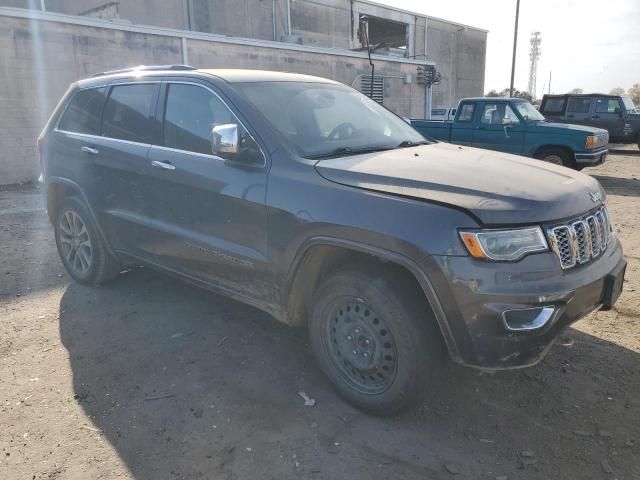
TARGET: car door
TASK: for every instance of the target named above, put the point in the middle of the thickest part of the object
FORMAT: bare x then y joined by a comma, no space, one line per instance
607,114
579,110
128,129
499,128
208,212
462,126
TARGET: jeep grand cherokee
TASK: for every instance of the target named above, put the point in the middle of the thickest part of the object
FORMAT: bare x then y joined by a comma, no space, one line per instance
305,198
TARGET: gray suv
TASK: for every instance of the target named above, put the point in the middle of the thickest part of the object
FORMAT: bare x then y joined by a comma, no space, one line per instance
308,200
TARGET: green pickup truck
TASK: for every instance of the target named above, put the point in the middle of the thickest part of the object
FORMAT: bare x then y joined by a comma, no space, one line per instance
513,125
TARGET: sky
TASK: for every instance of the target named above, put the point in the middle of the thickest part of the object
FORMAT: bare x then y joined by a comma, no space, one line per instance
589,44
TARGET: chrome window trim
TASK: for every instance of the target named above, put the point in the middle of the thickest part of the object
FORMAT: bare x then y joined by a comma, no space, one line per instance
87,135
215,157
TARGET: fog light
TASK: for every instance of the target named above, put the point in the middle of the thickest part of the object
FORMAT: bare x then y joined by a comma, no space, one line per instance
525,319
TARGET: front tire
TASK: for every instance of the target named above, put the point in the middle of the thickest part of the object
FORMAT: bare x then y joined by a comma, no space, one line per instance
80,247
375,339
557,156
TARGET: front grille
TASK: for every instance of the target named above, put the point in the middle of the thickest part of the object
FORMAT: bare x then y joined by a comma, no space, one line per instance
582,239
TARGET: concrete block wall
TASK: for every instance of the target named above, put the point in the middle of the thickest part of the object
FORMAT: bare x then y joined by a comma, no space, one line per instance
40,58
459,54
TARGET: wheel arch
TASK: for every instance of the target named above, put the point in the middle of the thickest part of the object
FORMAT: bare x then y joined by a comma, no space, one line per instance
59,188
319,256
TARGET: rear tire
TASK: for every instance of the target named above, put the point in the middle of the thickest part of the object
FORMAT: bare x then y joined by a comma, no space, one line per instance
557,156
80,247
376,340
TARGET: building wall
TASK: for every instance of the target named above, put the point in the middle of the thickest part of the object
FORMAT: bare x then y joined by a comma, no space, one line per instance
41,58
459,54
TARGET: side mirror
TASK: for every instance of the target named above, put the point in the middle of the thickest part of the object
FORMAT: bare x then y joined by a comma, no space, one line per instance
617,110
224,139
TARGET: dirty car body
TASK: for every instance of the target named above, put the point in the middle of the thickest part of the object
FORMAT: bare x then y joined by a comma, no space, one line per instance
504,251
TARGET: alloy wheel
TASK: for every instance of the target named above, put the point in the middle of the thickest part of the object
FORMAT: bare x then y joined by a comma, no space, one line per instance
75,242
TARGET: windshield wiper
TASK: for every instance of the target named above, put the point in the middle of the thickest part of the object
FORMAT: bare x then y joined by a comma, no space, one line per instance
346,151
409,143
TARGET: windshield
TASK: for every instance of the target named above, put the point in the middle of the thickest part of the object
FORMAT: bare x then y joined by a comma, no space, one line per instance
528,111
323,119
628,104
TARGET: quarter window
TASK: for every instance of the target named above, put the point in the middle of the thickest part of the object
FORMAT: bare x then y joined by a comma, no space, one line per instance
607,105
128,114
579,105
83,113
466,112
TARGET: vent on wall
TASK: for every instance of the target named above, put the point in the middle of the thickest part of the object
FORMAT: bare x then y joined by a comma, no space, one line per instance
378,87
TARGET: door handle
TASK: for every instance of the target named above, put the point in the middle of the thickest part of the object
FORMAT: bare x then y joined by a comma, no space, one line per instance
595,116
481,128
91,150
570,116
163,165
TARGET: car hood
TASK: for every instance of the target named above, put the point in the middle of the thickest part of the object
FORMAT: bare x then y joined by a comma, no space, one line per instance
569,128
494,187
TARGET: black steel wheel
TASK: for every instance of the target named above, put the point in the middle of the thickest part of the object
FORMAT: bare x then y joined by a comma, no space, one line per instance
376,339
360,345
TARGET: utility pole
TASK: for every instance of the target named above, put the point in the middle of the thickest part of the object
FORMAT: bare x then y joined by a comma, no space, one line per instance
549,82
515,43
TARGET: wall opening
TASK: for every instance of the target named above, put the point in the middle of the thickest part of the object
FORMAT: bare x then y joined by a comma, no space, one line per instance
390,36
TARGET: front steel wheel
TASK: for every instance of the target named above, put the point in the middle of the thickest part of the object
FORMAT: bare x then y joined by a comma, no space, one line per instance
360,345
375,338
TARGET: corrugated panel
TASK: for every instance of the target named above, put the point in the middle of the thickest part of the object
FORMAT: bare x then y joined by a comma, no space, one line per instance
378,87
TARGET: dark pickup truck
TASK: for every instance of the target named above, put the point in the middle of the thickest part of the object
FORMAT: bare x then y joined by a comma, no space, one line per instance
312,202
513,125
616,114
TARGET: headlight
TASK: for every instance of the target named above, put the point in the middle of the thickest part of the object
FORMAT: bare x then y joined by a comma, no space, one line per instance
509,245
595,141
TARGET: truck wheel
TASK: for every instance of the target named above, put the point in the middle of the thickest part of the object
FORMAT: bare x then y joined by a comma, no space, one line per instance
556,156
80,247
376,342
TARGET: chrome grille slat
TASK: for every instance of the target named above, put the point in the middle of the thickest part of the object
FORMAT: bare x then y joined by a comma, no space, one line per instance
582,239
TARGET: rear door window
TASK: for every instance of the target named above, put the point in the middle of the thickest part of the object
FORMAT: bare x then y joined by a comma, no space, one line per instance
607,105
579,105
128,114
83,113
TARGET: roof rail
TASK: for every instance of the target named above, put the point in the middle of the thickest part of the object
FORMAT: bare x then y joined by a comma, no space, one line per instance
146,68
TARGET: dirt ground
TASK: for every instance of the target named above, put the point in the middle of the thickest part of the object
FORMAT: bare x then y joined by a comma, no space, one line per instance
150,378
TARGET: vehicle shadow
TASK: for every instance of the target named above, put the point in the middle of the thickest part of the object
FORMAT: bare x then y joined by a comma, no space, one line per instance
187,384
627,187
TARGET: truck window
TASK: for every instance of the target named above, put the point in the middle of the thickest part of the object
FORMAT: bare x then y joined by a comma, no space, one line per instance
128,112
466,112
498,114
578,105
83,113
607,105
554,105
